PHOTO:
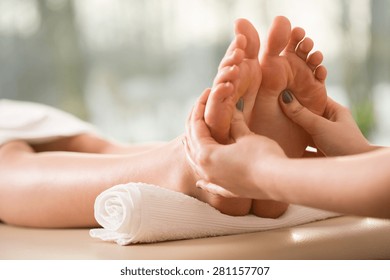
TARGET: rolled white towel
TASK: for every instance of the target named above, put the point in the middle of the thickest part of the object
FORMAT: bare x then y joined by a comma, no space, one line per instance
143,213
37,123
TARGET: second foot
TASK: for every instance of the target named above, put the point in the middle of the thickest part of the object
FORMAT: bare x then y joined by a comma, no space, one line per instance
268,208
228,206
288,64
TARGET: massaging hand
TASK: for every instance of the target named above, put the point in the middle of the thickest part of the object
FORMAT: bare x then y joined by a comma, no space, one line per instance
232,166
334,134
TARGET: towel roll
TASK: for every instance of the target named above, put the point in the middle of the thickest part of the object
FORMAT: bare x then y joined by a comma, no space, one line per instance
143,213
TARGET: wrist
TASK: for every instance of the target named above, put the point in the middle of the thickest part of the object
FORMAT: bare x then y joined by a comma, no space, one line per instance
267,175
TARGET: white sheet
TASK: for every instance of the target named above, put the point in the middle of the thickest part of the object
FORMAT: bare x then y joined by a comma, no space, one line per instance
37,123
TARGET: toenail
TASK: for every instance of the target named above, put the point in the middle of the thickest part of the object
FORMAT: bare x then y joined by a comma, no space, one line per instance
240,105
287,97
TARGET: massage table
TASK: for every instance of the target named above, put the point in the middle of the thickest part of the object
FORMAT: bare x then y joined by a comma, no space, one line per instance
344,237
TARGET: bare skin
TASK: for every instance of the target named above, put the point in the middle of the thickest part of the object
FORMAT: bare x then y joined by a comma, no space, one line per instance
58,189
354,180
285,64
239,76
287,54
54,184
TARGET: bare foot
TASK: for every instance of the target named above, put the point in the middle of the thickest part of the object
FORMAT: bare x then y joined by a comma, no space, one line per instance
238,76
287,65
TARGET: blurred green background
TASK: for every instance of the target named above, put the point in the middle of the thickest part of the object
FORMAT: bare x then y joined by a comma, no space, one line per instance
134,67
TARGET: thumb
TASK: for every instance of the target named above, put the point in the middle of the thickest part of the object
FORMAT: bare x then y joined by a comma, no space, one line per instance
299,114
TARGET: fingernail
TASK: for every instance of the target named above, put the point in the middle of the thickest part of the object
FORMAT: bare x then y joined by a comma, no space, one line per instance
287,97
240,105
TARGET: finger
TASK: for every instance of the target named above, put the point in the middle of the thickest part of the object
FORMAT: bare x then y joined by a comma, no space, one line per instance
214,189
196,117
200,105
300,114
198,135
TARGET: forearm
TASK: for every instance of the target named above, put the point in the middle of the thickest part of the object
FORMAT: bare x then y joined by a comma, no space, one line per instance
355,184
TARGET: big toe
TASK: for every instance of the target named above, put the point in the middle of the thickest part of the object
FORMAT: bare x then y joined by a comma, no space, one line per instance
219,111
278,36
245,27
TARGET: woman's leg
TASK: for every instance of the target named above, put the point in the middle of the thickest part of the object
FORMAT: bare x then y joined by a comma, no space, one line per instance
90,143
58,189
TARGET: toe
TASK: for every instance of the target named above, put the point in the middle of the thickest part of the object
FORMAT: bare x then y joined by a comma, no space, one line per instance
304,47
278,36
221,92
297,35
314,60
217,117
320,73
245,28
233,58
228,73
239,42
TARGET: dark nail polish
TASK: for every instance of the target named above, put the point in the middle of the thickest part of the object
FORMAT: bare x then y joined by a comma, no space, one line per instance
287,97
240,105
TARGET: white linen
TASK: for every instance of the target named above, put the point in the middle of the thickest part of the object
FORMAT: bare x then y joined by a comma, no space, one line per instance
37,123
143,213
